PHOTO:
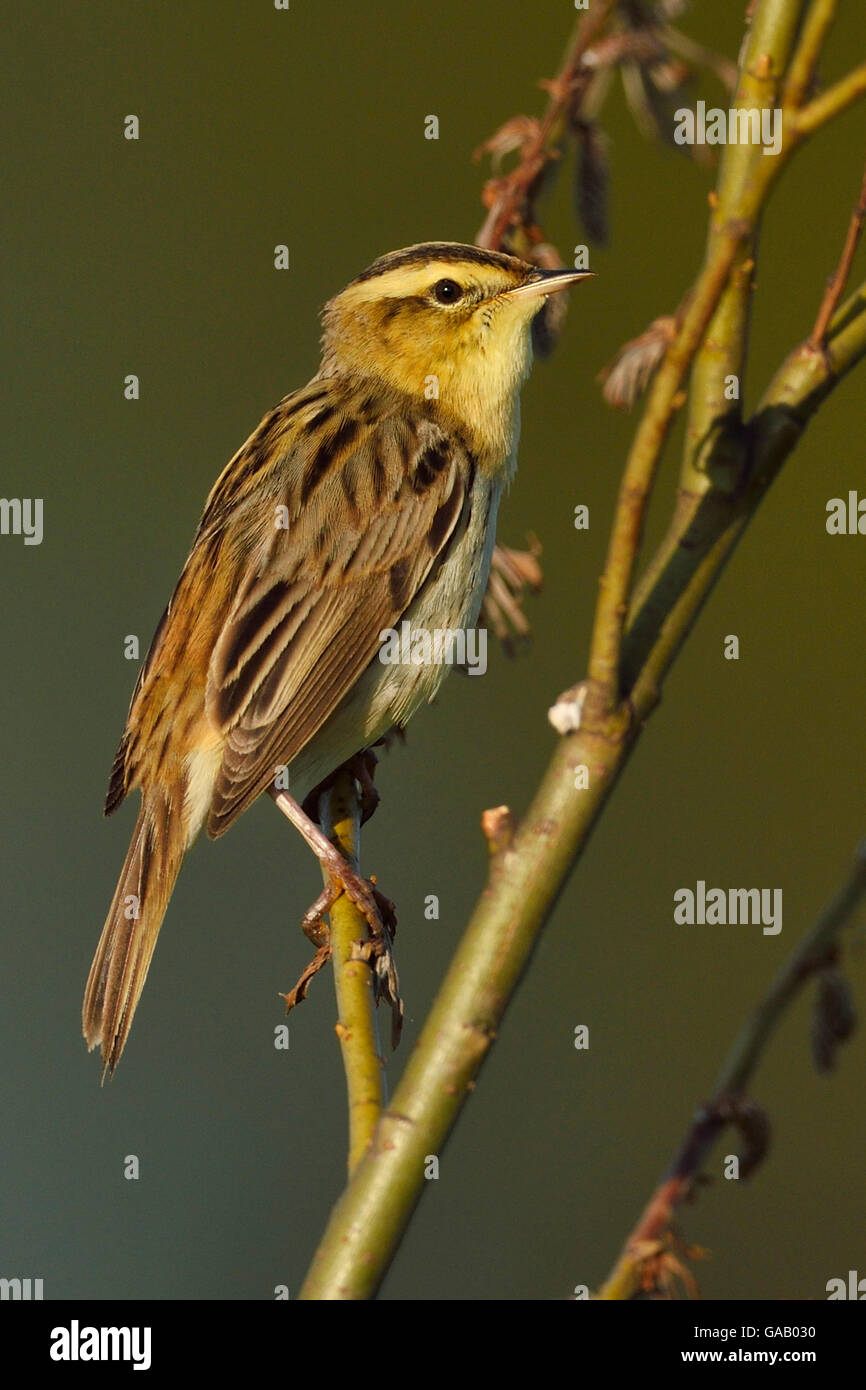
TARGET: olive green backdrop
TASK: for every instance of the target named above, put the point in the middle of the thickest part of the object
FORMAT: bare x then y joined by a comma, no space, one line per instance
307,127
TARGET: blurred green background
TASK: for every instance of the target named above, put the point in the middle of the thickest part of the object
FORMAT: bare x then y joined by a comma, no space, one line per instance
306,127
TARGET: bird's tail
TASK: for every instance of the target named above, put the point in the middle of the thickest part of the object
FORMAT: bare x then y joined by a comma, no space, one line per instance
123,955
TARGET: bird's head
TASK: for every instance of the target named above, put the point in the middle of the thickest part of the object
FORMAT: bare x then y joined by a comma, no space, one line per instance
444,323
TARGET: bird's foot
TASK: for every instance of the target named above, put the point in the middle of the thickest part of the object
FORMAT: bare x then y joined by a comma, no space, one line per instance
381,918
298,993
376,909
377,953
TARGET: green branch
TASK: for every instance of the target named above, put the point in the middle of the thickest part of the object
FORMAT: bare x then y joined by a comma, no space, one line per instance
353,978
713,454
527,873
832,102
524,883
810,45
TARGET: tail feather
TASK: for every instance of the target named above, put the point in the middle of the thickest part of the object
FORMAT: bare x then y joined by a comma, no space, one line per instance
126,946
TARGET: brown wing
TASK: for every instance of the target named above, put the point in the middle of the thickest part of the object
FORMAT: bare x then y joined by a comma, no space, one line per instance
370,511
231,531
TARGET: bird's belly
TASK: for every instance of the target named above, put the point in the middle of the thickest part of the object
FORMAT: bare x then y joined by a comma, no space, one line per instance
389,691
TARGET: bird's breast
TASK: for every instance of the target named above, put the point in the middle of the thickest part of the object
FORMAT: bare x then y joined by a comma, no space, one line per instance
447,604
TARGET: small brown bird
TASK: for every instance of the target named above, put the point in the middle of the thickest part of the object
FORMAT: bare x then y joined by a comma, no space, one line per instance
365,498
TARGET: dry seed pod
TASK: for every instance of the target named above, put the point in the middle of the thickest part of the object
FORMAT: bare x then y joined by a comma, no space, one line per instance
628,375
672,9
592,182
753,1124
512,573
547,324
834,1017
515,134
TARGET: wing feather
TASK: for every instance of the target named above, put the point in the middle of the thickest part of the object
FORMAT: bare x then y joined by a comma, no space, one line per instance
379,512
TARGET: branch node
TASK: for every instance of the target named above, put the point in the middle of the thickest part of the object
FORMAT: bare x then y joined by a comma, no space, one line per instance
566,714
498,827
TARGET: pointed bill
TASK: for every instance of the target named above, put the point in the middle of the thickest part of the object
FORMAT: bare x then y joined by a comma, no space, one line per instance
548,282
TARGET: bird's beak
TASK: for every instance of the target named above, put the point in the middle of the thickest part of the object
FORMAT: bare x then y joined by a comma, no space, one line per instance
548,281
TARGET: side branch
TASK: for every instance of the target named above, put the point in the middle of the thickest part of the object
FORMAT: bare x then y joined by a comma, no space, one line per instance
641,468
518,187
832,102
644,1251
525,881
839,278
713,450
810,45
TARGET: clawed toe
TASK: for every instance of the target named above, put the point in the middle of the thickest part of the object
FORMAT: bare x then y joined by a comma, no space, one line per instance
381,918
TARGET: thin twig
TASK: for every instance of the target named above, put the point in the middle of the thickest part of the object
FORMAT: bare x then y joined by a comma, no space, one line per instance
699,56
640,471
813,952
810,46
353,978
517,186
839,278
695,551
718,449
713,444
715,312
832,102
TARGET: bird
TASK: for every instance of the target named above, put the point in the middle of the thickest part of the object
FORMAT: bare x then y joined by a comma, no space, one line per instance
364,499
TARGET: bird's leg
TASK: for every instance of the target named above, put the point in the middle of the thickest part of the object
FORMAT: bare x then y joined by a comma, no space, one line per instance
377,910
312,923
362,767
342,877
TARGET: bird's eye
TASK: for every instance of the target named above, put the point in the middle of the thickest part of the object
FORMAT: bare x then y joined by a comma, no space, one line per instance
447,291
